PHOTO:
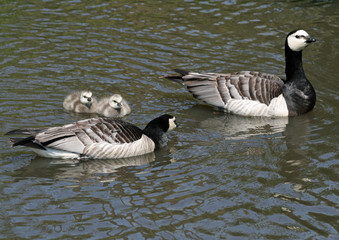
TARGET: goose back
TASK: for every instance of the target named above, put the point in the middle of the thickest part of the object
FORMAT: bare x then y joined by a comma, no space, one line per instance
243,93
94,138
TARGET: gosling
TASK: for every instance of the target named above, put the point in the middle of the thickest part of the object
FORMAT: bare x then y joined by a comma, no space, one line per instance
80,102
114,106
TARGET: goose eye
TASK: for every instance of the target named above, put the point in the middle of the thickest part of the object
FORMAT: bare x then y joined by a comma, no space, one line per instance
297,36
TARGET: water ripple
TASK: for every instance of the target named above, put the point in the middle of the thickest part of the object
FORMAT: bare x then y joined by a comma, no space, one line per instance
221,176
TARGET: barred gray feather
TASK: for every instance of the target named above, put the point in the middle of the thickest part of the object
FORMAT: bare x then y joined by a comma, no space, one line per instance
217,89
226,90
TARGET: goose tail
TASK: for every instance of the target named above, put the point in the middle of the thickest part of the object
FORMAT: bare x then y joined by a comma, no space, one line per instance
28,141
27,131
177,78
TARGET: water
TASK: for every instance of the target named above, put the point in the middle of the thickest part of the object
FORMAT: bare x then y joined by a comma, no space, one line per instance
221,176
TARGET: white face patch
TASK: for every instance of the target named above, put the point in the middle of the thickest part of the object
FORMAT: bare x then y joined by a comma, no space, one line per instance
86,97
115,101
172,124
297,41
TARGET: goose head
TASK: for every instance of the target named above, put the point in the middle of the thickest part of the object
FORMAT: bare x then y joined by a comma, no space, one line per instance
298,40
115,101
165,122
172,123
157,128
86,98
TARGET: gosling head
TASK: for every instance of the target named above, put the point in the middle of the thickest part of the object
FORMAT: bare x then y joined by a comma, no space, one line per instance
115,101
86,98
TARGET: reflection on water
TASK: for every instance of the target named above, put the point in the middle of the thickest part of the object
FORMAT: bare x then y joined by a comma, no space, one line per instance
296,160
235,127
221,176
82,171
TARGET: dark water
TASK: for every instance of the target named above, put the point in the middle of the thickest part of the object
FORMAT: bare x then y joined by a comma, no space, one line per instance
221,176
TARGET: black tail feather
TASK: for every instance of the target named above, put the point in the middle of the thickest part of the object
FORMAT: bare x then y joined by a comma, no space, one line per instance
27,142
181,71
177,78
27,131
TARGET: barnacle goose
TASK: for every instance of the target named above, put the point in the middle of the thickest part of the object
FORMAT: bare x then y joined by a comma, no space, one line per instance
80,102
96,138
114,106
250,93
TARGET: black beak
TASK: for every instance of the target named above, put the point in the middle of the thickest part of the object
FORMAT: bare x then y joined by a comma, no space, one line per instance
310,40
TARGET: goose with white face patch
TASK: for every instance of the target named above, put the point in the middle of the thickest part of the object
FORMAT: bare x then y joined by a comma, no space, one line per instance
114,106
96,138
251,93
80,102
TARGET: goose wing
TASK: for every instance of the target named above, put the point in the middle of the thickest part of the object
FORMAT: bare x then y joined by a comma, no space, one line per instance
217,89
77,136
86,132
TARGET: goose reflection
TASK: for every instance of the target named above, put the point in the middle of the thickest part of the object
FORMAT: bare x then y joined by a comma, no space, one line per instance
293,135
290,145
296,158
103,170
235,127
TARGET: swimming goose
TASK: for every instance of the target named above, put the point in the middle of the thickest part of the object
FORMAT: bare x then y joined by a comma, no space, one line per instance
250,93
114,106
96,138
80,102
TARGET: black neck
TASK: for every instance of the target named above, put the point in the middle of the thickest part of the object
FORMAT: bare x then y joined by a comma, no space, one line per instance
157,135
294,65
298,92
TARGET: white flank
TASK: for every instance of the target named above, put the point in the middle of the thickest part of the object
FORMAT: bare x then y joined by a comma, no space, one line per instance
53,153
106,150
246,107
277,107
